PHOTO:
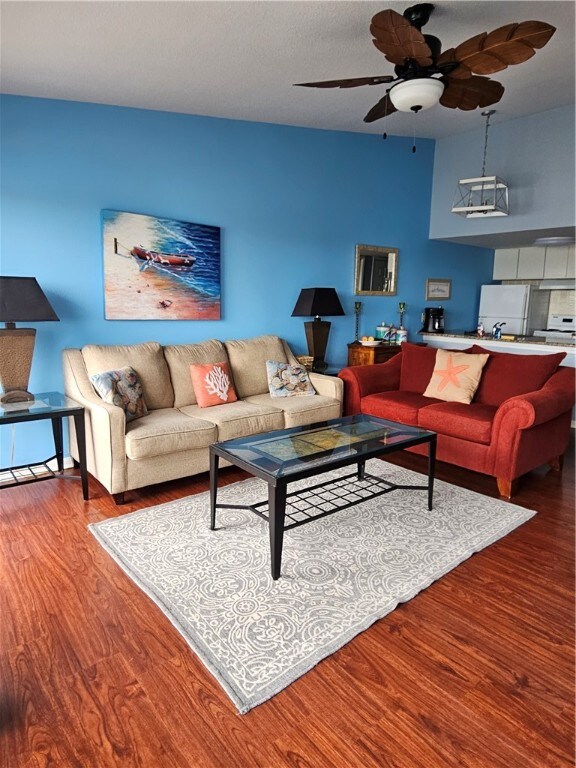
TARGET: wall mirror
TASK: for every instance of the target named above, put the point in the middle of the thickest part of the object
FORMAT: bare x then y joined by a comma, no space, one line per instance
375,271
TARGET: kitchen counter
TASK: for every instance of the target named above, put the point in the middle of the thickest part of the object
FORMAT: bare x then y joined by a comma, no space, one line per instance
473,337
522,345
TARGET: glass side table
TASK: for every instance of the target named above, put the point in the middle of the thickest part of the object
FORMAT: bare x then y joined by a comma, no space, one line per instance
56,407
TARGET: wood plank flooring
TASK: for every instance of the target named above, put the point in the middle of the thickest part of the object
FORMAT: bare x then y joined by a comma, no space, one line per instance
476,672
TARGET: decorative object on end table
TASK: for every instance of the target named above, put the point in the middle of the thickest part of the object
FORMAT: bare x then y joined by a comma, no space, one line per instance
402,333
21,300
438,288
357,310
313,302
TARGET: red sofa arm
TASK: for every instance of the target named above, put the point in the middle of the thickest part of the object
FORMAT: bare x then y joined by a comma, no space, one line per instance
556,397
362,380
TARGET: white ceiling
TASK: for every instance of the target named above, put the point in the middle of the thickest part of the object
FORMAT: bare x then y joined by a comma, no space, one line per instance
239,59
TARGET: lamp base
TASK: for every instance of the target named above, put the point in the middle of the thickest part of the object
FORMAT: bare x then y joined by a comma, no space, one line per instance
16,350
317,339
17,396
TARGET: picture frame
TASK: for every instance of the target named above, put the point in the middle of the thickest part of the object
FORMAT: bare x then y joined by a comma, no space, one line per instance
157,268
438,288
375,270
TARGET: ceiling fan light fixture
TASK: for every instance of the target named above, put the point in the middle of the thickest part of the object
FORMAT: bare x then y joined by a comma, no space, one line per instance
417,94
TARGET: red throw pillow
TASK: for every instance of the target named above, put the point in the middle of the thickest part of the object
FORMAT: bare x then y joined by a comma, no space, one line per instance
506,374
212,384
417,366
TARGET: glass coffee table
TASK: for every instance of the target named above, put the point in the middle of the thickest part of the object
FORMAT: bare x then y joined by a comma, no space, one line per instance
288,455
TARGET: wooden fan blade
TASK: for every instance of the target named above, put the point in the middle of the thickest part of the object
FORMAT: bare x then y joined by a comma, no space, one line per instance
461,72
486,53
472,93
398,40
383,108
353,82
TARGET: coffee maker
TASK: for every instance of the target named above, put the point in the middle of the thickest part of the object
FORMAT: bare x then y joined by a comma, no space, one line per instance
433,320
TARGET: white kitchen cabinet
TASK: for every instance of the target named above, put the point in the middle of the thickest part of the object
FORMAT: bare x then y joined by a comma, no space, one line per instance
559,262
505,264
531,263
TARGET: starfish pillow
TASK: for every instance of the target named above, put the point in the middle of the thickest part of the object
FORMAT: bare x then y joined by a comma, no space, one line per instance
456,376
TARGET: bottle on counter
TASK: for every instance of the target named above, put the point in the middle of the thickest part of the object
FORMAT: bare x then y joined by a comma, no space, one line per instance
480,330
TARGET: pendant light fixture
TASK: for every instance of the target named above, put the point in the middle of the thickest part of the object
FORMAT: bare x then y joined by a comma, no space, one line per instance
483,195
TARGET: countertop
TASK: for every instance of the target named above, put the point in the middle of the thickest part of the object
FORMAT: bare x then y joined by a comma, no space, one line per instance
472,336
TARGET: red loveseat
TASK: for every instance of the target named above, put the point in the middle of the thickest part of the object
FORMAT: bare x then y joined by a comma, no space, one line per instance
519,418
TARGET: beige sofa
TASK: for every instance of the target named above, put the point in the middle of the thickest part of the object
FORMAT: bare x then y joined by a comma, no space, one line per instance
172,440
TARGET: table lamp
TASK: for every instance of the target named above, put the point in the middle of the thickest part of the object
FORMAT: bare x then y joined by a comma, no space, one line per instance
21,300
313,302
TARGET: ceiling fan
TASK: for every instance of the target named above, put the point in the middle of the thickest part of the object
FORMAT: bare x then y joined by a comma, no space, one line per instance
425,75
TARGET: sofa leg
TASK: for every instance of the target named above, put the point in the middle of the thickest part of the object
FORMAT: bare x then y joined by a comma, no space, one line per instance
118,498
507,488
556,463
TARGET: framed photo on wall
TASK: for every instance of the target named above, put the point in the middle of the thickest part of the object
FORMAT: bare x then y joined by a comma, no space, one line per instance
438,288
159,269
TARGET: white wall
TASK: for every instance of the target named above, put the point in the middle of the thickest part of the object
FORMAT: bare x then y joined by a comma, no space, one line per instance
534,155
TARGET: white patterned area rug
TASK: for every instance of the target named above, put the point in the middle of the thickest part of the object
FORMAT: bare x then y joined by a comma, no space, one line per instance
340,573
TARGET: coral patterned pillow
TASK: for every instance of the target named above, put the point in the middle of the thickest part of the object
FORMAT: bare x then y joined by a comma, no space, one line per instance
212,384
456,376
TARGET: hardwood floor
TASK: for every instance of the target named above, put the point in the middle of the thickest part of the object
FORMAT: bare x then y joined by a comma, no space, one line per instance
476,671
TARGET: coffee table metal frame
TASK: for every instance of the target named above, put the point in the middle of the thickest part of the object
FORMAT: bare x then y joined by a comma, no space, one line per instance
278,485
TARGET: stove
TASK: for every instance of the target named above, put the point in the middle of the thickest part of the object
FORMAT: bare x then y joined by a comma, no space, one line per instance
561,328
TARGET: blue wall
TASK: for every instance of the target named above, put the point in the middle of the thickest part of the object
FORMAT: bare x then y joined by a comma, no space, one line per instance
291,202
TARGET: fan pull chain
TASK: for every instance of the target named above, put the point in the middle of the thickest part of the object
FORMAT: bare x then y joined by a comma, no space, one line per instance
414,132
385,135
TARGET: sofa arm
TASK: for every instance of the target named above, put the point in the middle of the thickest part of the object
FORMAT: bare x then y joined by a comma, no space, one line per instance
362,380
555,398
330,386
105,425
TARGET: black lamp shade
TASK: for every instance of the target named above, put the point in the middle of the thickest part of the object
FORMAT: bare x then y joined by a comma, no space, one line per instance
22,300
315,302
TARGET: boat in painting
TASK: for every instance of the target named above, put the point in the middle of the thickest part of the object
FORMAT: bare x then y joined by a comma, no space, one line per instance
165,259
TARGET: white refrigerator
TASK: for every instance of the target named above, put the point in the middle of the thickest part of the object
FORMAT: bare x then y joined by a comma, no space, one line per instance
524,308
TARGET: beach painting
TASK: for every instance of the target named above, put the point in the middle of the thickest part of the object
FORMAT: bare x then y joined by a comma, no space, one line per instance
159,269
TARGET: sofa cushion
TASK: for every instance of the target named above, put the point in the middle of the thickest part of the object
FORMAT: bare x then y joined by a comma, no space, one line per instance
469,422
396,406
240,418
167,430
148,361
179,358
122,388
301,410
507,375
456,376
417,366
285,380
248,362
212,384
